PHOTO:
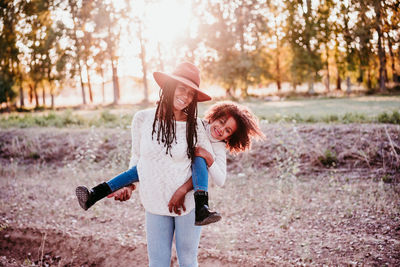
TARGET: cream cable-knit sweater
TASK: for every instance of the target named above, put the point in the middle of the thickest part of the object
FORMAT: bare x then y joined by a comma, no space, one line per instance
161,174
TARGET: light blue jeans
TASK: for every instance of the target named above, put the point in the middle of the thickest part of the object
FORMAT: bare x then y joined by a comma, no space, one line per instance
199,176
160,231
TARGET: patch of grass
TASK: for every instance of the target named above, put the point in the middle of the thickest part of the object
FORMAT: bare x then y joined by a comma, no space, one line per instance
368,109
387,179
34,155
393,118
329,159
66,119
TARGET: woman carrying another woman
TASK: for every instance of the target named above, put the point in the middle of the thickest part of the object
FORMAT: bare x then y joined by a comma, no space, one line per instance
163,148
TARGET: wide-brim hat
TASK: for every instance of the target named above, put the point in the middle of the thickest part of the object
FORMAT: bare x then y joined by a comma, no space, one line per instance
185,73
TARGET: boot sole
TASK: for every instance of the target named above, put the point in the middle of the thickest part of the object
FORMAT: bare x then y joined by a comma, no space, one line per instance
82,193
210,219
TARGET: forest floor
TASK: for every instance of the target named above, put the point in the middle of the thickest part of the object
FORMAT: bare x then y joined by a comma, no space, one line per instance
308,195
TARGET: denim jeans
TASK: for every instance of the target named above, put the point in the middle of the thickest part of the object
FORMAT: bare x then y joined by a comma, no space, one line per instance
200,174
160,232
123,179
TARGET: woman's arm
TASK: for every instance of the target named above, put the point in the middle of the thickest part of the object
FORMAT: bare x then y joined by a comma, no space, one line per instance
178,198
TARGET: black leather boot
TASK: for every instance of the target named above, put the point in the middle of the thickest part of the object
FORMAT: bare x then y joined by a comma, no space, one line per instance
203,215
87,198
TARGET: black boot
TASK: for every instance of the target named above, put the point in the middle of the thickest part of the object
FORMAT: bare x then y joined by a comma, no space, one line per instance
203,215
87,198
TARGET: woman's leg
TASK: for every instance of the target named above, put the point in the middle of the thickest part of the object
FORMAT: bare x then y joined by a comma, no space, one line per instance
199,174
187,237
123,179
159,234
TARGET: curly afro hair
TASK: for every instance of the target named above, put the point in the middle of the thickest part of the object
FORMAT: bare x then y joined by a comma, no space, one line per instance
247,124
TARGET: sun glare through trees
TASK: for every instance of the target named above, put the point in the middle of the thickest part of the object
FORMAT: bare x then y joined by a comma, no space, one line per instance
105,51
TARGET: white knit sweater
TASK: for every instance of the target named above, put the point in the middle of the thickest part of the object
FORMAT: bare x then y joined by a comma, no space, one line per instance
161,174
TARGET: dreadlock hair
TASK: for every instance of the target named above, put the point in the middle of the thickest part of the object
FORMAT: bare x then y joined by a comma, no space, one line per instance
166,126
247,124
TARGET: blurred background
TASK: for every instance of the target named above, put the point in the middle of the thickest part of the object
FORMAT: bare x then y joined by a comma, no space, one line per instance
58,53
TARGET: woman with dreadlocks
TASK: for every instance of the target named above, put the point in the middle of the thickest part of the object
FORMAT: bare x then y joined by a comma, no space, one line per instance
163,149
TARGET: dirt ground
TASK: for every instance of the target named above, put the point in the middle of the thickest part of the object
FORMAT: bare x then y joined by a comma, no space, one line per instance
308,195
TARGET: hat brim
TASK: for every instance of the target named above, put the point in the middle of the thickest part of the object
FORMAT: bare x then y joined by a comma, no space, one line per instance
161,78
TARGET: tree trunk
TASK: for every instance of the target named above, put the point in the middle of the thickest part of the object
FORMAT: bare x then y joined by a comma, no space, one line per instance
348,83
338,82
114,69
30,94
144,65
278,71
392,59
384,58
103,85
369,81
82,85
278,52
294,86
115,82
21,96
328,76
52,95
310,83
78,52
89,83
44,97
381,53
35,94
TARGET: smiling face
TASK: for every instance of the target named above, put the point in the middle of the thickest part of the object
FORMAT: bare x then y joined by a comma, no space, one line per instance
183,97
222,128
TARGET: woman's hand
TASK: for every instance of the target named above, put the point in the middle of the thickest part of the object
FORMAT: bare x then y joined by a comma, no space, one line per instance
177,201
201,152
123,194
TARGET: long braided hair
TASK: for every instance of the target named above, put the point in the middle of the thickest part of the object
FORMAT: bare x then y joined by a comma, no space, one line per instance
164,124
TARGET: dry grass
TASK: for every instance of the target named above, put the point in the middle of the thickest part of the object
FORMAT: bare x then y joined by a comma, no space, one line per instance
281,205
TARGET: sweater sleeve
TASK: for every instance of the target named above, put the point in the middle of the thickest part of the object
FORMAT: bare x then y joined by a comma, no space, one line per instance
217,171
135,132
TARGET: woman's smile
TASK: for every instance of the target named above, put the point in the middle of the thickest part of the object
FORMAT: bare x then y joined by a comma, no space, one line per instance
183,96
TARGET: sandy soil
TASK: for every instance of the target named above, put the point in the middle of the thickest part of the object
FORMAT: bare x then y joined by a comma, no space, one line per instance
308,195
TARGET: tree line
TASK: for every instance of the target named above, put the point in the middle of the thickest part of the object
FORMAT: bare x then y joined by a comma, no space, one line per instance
238,43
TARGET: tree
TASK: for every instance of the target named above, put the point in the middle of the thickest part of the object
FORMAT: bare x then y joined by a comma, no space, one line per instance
391,28
363,32
39,20
9,51
233,41
324,33
276,33
75,8
302,36
381,52
143,60
109,29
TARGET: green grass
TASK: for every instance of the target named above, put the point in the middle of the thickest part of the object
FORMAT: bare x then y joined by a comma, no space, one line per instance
368,109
